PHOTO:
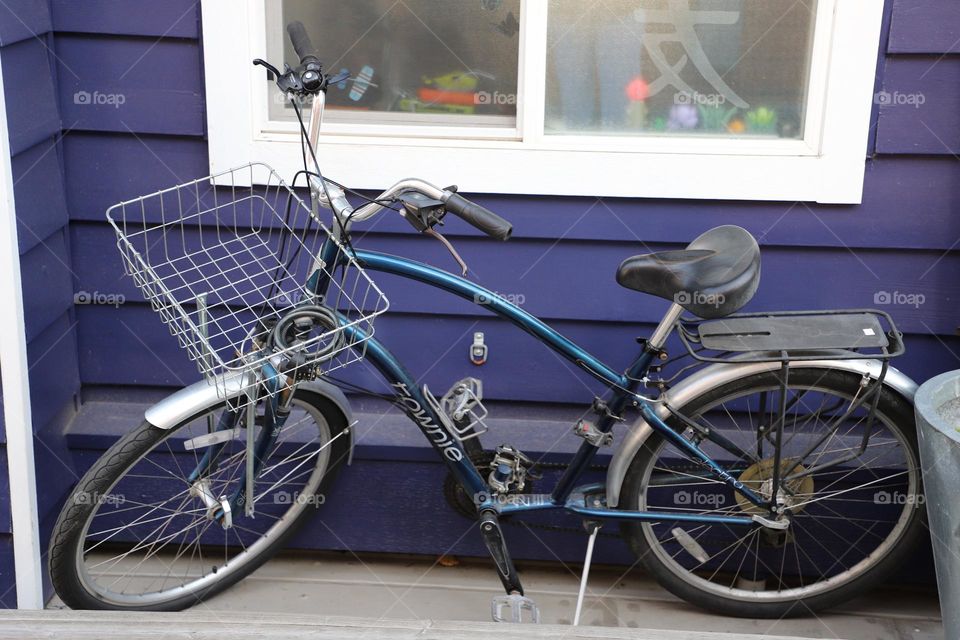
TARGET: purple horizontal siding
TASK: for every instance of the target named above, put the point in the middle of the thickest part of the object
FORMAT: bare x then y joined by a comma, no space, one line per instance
130,85
8,595
32,111
54,460
925,26
103,169
39,191
167,19
555,282
144,353
23,20
920,106
54,373
130,347
384,433
47,280
878,81
145,165
6,524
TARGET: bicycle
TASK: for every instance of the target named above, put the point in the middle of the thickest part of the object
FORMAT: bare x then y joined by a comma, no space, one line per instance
774,472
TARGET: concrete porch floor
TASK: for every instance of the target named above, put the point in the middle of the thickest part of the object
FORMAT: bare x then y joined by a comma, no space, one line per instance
417,588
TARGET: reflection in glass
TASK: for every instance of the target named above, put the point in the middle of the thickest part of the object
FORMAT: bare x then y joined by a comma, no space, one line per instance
411,62
702,67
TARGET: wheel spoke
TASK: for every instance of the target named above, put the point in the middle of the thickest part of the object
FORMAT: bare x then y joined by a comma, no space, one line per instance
160,534
835,531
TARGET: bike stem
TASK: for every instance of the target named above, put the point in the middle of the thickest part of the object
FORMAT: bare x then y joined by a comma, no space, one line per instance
316,119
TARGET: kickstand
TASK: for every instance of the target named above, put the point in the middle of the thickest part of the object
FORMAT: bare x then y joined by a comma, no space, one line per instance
594,529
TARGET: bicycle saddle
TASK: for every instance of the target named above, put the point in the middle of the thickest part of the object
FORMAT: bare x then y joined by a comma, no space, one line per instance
713,277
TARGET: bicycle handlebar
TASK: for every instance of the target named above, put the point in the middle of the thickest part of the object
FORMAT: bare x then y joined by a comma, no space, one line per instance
478,216
302,43
470,212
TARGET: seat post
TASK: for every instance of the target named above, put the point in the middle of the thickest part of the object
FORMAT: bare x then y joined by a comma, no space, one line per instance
662,332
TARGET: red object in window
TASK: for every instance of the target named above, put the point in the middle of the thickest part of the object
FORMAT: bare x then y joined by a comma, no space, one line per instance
638,90
439,96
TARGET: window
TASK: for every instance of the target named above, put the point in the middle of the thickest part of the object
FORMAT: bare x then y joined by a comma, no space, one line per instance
411,62
720,99
655,67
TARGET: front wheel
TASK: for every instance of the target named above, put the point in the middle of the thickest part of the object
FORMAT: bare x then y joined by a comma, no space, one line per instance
136,534
853,517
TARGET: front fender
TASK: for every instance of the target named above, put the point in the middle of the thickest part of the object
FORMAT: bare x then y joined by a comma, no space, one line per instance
719,374
193,399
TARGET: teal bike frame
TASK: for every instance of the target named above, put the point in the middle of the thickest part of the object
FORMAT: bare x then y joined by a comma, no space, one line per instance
566,494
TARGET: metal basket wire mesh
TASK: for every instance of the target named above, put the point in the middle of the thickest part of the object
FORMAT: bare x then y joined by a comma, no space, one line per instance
224,264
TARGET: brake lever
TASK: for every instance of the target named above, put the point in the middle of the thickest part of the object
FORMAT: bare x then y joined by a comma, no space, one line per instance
430,231
272,72
307,79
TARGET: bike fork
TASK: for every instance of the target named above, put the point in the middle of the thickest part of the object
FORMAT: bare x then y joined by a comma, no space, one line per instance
514,600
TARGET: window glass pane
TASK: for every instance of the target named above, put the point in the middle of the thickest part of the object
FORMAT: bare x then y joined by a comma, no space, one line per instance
410,62
695,67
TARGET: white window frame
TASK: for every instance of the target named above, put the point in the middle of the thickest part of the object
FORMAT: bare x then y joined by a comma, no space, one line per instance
827,165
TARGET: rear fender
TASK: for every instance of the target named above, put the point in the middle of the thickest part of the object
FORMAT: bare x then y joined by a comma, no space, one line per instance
717,375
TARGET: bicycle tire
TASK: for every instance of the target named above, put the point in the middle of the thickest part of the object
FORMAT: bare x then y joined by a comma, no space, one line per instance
892,407
70,529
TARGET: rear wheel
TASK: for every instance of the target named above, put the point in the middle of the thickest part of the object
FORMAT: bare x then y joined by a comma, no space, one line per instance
135,535
851,523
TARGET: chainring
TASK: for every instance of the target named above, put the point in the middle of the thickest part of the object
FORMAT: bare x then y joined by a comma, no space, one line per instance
463,503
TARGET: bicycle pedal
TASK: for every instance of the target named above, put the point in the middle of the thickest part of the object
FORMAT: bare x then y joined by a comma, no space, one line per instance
463,404
461,409
516,604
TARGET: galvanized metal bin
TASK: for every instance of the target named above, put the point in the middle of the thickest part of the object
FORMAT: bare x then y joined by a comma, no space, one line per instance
937,406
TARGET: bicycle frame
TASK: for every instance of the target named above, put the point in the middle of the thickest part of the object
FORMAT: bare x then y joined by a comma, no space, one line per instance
565,495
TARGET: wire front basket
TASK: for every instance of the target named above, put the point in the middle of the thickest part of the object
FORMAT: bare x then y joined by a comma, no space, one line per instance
235,273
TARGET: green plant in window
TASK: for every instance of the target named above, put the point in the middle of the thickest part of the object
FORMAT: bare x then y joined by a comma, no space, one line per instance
715,117
762,120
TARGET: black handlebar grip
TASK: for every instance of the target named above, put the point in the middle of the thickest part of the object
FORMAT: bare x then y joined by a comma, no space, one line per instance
480,217
301,42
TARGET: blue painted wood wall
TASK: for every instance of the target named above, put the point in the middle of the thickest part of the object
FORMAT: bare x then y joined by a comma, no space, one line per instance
30,78
901,240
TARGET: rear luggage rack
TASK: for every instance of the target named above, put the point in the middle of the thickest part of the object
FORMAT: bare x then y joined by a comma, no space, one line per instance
785,338
856,334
